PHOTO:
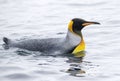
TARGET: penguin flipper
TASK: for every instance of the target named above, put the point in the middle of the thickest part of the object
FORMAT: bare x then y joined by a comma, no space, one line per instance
6,40
6,43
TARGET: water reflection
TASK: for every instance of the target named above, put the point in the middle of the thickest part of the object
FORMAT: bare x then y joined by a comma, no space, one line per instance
75,64
74,61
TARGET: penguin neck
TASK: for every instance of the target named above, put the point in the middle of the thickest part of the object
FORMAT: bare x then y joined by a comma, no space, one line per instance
76,41
73,39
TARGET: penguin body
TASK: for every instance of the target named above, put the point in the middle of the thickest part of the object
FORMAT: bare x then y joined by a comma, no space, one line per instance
50,45
72,43
42,45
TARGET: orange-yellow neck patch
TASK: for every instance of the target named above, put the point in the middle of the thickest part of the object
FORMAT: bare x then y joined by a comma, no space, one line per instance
70,26
80,47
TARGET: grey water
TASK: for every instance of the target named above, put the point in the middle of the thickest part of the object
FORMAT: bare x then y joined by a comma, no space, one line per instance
26,19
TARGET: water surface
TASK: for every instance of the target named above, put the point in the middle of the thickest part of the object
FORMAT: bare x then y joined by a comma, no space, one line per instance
24,19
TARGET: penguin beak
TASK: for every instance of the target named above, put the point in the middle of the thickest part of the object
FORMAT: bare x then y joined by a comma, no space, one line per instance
89,23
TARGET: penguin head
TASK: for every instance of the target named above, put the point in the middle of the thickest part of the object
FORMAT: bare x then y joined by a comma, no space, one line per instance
77,24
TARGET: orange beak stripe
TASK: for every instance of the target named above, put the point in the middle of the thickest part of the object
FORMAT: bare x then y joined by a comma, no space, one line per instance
86,24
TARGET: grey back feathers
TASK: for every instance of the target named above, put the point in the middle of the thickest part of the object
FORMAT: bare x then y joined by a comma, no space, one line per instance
47,45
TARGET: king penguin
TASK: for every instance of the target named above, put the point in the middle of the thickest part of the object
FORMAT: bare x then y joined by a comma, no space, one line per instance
73,42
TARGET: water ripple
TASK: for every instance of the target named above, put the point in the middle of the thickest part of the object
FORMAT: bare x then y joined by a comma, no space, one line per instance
18,76
88,5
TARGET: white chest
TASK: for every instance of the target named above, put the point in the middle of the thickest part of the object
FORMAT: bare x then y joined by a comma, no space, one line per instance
72,40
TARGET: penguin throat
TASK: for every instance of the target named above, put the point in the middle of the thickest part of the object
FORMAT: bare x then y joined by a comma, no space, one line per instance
77,41
81,46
